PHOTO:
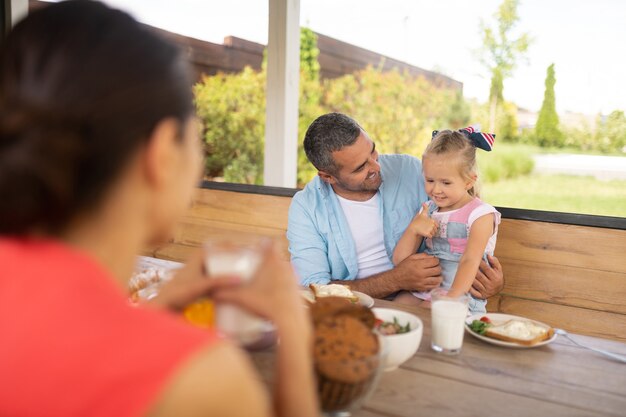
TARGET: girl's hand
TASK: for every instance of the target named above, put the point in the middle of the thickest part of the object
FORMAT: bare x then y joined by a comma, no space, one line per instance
423,225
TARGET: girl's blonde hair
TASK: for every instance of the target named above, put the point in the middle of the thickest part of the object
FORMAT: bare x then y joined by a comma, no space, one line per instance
457,144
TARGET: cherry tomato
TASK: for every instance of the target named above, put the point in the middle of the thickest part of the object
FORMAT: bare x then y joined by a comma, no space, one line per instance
485,319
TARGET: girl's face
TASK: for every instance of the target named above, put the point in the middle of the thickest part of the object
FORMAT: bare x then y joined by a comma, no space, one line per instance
444,183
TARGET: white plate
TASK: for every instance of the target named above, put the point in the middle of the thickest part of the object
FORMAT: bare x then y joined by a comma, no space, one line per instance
364,299
499,317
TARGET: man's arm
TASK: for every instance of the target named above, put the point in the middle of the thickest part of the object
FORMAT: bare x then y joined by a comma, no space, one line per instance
418,272
309,256
489,279
309,252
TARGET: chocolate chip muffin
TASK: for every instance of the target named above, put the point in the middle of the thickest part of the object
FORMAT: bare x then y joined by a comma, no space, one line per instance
345,352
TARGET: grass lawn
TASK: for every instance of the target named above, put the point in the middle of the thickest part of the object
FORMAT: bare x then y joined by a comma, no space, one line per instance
561,193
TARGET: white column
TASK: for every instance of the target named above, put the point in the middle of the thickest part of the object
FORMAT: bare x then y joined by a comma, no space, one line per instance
281,114
19,10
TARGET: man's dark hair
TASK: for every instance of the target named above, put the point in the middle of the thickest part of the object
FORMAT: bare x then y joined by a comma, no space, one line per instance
82,86
327,134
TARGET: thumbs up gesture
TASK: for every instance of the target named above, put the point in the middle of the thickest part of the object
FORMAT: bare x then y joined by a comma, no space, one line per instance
422,224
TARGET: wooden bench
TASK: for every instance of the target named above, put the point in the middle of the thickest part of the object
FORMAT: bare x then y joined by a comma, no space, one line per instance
572,275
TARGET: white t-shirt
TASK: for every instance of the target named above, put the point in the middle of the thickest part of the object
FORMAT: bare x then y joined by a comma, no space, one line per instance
366,226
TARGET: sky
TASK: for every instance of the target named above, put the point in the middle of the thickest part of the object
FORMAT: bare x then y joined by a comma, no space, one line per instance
585,39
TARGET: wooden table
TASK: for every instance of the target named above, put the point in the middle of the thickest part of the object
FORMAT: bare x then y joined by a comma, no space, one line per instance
558,379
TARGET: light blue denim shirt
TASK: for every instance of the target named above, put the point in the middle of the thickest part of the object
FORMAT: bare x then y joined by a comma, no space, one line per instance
320,241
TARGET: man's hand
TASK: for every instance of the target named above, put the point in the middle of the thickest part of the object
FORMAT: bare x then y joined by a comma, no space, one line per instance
489,279
423,225
419,272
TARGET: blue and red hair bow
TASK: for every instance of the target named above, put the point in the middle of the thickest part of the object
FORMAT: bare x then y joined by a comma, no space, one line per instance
481,140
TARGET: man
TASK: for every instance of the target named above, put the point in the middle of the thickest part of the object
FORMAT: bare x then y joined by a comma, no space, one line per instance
344,225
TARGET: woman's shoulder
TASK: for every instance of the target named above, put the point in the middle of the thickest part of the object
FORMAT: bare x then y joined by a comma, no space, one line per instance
73,328
212,382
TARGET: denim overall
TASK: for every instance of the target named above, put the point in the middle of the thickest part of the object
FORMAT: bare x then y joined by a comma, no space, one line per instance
449,244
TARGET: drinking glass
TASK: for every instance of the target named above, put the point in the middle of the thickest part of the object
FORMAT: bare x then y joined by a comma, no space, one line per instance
241,261
448,321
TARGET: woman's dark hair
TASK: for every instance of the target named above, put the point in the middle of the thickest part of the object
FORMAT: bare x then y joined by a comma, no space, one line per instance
82,86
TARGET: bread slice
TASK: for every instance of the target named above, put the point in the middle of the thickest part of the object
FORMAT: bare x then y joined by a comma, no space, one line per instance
523,332
333,290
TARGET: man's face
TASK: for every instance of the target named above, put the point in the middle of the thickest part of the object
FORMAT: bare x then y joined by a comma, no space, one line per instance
358,176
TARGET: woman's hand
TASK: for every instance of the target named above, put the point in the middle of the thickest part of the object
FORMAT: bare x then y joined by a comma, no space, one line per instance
489,279
190,283
272,293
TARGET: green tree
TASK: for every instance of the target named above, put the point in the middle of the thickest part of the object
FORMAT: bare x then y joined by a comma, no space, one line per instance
547,132
310,96
309,65
500,53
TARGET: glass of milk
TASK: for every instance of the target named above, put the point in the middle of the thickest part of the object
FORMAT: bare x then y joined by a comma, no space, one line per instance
448,321
241,261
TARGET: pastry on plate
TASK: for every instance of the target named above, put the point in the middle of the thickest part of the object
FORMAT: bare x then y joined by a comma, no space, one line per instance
333,290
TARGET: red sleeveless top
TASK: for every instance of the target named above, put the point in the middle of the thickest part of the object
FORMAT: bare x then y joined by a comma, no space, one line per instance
72,345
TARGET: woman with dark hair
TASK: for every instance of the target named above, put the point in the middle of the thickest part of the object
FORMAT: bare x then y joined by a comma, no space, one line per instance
98,158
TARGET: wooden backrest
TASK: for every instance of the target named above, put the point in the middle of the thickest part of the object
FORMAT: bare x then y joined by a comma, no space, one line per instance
569,276
228,215
572,277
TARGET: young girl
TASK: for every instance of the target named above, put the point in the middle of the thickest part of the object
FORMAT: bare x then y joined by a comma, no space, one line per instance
459,228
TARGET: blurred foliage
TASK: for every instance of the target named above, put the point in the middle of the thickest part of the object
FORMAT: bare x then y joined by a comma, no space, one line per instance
608,136
504,162
309,107
398,111
232,109
611,133
507,127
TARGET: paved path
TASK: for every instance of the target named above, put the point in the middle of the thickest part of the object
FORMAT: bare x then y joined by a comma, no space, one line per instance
601,167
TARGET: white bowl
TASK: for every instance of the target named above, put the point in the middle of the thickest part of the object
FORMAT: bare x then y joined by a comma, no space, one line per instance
400,347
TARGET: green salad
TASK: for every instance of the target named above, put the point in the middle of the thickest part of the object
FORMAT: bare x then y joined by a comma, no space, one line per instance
388,328
481,326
